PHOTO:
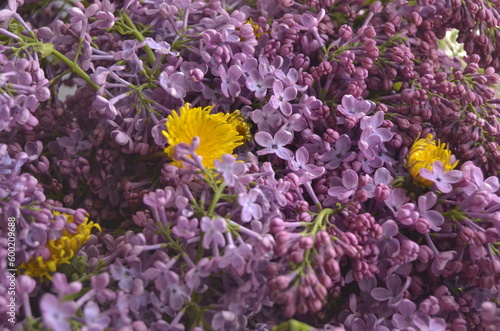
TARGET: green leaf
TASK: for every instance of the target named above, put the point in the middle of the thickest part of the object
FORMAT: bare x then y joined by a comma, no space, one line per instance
293,325
397,86
45,49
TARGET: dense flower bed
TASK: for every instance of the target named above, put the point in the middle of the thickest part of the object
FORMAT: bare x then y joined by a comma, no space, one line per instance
249,165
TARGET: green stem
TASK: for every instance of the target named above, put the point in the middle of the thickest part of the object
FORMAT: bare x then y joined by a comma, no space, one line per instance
216,198
140,37
75,68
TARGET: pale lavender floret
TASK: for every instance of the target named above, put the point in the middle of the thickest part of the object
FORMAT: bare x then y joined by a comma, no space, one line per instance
275,145
406,311
266,118
300,164
194,276
282,97
440,261
477,181
62,287
232,171
375,122
213,230
388,243
250,209
74,143
340,152
235,257
229,85
356,108
404,212
185,228
369,143
425,203
441,178
424,322
394,292
175,293
259,83
161,47
56,314
174,84
125,276
343,189
290,78
382,177
196,73
94,321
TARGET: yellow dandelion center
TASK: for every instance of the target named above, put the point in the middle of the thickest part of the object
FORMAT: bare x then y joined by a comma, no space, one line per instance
219,133
424,153
61,250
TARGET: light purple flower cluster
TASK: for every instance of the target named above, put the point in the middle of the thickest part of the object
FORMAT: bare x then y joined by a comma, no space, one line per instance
315,222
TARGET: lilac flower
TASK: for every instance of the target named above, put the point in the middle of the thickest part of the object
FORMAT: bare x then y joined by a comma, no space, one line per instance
227,320
440,261
427,323
94,321
56,314
404,212
301,165
74,143
201,270
174,84
161,47
442,179
235,257
425,203
343,189
175,292
62,287
368,143
275,145
356,108
339,153
406,311
381,181
290,79
388,243
491,184
233,171
375,122
259,83
281,97
394,292
250,210
125,276
99,283
213,230
267,118
185,228
230,86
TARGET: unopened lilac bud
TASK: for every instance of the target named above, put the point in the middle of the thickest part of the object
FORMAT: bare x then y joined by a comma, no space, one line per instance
306,243
304,217
277,225
314,305
332,267
297,256
430,306
422,225
345,32
303,206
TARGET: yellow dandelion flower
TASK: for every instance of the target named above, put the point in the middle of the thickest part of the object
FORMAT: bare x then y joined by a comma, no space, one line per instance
219,133
61,250
423,153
